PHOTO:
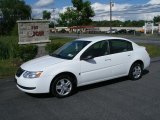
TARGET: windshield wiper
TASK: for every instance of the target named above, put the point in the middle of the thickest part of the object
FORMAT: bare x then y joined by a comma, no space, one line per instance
58,56
55,55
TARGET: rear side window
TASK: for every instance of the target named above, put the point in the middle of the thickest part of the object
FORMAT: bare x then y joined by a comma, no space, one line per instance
118,46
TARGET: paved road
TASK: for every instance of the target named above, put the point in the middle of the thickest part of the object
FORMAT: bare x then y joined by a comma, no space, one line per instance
119,99
135,39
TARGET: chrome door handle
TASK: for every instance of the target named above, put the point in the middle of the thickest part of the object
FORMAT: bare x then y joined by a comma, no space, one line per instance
107,59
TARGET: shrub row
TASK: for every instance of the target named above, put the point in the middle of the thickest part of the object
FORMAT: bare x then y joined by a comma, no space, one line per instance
4,51
27,52
24,52
51,47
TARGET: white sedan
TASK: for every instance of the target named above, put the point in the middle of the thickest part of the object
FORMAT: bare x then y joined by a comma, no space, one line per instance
81,62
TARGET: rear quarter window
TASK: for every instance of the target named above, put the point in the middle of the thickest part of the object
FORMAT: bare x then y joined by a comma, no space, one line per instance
118,46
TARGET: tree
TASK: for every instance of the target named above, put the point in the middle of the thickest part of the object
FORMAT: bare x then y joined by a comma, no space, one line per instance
79,14
11,11
68,18
51,25
117,23
46,15
156,19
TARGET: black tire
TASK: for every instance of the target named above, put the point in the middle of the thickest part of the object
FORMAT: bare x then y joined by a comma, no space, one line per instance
62,86
136,71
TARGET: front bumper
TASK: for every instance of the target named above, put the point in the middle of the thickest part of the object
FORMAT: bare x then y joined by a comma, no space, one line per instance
23,87
26,88
36,85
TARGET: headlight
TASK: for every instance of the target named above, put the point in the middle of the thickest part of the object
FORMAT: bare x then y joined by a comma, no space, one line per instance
28,74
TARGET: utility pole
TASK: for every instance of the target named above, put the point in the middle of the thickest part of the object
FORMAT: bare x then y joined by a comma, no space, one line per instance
1,18
110,16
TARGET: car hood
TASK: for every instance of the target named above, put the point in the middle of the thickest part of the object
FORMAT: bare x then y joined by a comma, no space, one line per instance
39,64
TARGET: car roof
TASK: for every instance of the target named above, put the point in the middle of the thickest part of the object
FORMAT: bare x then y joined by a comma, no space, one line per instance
99,38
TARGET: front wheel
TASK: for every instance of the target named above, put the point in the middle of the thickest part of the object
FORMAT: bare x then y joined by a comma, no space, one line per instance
135,71
62,86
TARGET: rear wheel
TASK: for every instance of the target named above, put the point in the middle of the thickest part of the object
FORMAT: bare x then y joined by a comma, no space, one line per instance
135,71
62,86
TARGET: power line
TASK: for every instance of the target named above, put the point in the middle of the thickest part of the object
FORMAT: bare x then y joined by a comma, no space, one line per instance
138,13
128,12
138,9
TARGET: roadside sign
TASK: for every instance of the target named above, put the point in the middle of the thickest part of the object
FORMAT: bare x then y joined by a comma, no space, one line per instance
33,31
148,27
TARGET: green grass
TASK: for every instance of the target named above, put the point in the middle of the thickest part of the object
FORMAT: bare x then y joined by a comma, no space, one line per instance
140,36
60,39
153,50
9,39
11,42
7,68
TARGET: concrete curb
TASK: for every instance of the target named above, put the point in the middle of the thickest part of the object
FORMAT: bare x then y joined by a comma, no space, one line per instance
156,59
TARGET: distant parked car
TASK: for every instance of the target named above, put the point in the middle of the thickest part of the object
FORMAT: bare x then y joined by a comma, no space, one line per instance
63,31
122,31
81,62
131,31
111,31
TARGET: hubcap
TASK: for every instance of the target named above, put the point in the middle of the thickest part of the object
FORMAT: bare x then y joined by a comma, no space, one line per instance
63,87
137,72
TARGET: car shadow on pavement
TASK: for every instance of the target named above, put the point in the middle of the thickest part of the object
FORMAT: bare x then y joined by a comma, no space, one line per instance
42,95
108,82
145,72
101,84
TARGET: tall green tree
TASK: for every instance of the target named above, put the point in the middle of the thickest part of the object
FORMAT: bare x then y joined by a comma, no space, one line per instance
46,15
79,14
69,18
11,11
156,19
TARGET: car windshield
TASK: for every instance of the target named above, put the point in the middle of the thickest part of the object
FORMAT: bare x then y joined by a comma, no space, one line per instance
70,50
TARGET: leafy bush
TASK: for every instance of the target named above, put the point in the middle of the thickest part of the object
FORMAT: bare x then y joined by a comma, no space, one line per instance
14,31
51,47
4,51
14,51
27,52
11,44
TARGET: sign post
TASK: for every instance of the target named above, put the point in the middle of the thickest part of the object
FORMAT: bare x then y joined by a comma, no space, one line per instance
159,28
149,27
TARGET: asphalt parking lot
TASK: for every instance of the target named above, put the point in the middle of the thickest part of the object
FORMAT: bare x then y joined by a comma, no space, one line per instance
118,99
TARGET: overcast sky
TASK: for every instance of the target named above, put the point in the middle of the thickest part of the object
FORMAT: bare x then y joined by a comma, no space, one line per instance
122,10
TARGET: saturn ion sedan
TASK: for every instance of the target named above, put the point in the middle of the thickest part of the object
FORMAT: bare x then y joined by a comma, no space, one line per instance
81,62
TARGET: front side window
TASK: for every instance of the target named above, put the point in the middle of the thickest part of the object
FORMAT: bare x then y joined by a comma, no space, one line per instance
97,49
70,50
118,46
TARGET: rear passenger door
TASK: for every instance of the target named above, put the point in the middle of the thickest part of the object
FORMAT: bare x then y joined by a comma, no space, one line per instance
120,54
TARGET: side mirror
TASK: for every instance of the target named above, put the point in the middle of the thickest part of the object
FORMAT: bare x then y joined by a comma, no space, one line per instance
87,57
